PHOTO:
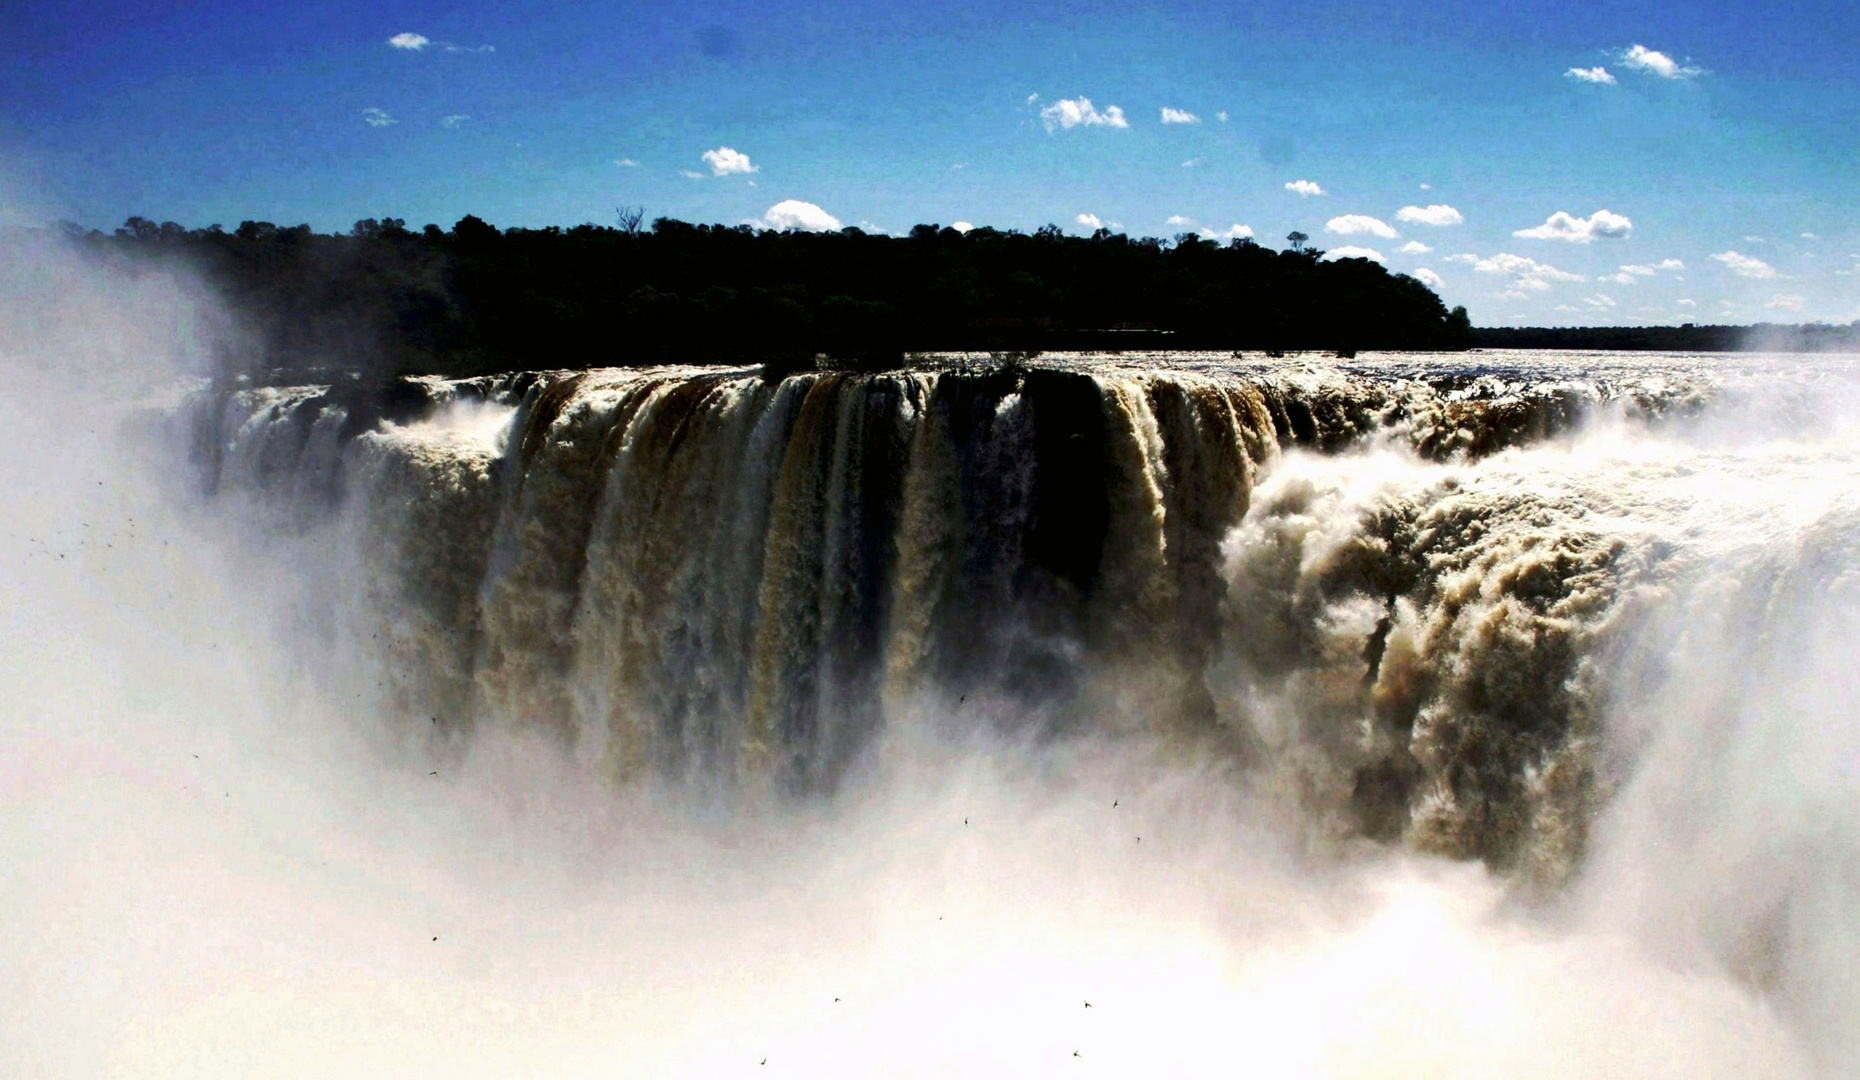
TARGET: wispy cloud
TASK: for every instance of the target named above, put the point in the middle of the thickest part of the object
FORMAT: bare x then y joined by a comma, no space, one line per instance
1349,251
453,121
1304,188
1810,236
1414,247
1191,163
1069,113
412,42
1221,116
1784,302
724,161
1652,62
1747,266
1236,231
626,163
1433,214
1597,75
1179,219
377,118
1427,277
1179,116
1094,222
1629,275
804,216
1360,225
1527,274
691,174
1561,226
1600,301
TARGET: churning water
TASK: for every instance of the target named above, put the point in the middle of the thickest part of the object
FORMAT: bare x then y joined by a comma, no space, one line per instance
1482,715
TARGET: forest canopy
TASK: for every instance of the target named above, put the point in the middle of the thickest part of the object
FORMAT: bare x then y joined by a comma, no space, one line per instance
385,300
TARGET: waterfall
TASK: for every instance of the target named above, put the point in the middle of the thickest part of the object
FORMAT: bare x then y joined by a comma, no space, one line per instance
1380,586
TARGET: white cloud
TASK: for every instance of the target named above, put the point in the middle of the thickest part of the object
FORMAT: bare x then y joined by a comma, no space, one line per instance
961,226
795,214
1755,240
1432,214
1427,277
1688,302
1236,231
724,161
1561,226
1304,188
1527,274
691,174
1598,75
1600,301
1079,112
1349,251
1191,163
1652,62
1671,264
455,120
1427,187
1179,116
1748,266
1359,224
1631,274
1414,247
626,163
417,42
377,118
1221,116
1516,294
1783,302
1464,257
1179,219
1090,221
1810,236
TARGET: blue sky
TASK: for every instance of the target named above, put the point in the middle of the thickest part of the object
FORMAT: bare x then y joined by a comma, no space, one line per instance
1711,175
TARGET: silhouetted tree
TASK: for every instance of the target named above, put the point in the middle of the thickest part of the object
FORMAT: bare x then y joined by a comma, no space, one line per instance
381,300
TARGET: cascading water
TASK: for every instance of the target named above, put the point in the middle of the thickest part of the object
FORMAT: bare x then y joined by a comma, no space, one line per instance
1410,716
714,574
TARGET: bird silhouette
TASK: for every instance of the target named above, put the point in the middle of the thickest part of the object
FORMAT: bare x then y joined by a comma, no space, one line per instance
1088,1004
1113,804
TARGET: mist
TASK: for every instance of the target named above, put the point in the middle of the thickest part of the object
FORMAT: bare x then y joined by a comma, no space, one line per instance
233,848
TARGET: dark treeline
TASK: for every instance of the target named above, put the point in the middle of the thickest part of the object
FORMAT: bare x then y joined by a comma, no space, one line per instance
1773,337
474,299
